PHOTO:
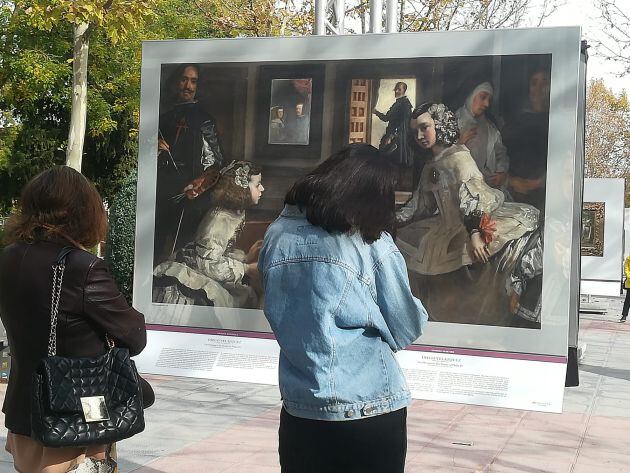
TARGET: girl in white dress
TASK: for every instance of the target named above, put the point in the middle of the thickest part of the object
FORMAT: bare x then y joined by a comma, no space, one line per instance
208,271
454,220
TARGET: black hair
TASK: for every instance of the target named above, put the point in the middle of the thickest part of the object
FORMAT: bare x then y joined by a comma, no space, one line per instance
174,77
403,84
353,190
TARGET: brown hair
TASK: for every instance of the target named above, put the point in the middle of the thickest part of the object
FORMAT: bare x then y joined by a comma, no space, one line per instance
59,202
228,194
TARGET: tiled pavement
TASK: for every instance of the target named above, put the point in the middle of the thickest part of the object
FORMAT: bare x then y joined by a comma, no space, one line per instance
203,426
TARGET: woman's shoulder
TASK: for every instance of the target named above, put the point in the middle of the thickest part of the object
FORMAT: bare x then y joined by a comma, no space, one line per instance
383,247
46,248
13,248
83,257
457,156
460,162
38,255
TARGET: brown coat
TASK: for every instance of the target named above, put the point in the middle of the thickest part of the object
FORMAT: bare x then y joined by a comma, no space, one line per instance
91,305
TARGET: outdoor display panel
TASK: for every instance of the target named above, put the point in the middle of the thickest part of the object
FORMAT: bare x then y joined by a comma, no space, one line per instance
602,236
285,105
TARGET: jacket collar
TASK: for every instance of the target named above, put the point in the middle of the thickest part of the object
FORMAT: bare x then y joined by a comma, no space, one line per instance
292,211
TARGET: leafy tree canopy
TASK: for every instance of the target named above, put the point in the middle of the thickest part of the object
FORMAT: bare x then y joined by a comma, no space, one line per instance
607,134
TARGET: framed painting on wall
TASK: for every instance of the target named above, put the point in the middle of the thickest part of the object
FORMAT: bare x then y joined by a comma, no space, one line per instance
290,112
592,235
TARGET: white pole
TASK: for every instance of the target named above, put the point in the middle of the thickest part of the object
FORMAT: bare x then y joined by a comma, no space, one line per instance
340,14
376,16
391,17
320,17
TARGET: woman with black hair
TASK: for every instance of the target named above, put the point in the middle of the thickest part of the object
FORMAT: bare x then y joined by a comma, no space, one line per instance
455,219
338,300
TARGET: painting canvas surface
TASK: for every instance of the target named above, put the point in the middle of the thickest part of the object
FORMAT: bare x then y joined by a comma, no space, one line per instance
196,251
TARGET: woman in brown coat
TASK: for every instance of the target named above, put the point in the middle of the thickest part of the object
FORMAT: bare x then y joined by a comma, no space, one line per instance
58,208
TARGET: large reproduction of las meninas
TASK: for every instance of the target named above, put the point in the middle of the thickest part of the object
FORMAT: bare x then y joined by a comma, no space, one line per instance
483,130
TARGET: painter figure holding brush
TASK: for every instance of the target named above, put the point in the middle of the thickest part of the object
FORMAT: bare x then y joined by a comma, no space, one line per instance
189,155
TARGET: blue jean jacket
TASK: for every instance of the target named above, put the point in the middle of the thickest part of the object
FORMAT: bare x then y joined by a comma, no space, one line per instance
339,309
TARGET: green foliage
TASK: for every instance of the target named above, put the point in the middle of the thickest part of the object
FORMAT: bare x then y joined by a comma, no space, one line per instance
8,132
180,19
116,18
607,134
259,17
119,249
1,236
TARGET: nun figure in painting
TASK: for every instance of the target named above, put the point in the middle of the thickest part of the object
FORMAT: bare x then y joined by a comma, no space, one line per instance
208,271
454,220
481,136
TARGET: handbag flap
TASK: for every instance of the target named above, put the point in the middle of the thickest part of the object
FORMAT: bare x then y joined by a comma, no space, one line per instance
66,380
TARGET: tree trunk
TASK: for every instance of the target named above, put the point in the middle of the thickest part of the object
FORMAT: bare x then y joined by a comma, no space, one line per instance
76,136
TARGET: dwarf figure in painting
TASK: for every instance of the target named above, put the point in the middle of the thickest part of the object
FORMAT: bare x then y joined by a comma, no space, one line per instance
455,219
394,141
208,271
188,144
481,136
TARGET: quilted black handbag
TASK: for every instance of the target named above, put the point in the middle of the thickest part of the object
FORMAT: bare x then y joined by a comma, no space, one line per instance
83,401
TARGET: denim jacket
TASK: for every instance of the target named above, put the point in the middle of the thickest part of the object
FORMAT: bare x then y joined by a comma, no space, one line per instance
339,309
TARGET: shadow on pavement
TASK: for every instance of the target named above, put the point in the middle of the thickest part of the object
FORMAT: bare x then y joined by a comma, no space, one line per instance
610,372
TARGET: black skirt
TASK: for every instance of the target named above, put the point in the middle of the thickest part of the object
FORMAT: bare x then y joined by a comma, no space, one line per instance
371,445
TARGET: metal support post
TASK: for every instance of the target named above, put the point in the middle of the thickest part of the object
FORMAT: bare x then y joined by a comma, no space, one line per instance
333,9
340,14
390,16
376,16
320,17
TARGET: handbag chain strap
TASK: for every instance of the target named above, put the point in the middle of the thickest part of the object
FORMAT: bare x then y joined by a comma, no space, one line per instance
58,270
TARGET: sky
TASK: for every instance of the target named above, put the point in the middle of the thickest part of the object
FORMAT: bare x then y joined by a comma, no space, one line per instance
586,15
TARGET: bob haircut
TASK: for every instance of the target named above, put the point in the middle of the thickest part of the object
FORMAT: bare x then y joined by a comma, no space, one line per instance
227,193
353,190
446,127
59,203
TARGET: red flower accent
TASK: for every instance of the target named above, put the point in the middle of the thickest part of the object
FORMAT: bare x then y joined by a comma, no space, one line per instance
487,227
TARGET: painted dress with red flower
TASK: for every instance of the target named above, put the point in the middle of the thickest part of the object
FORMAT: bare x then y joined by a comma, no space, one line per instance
432,234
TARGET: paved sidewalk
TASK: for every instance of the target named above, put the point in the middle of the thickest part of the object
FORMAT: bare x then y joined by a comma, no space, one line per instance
203,426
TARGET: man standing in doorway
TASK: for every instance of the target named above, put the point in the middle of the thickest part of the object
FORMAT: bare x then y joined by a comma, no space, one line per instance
394,141
189,153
